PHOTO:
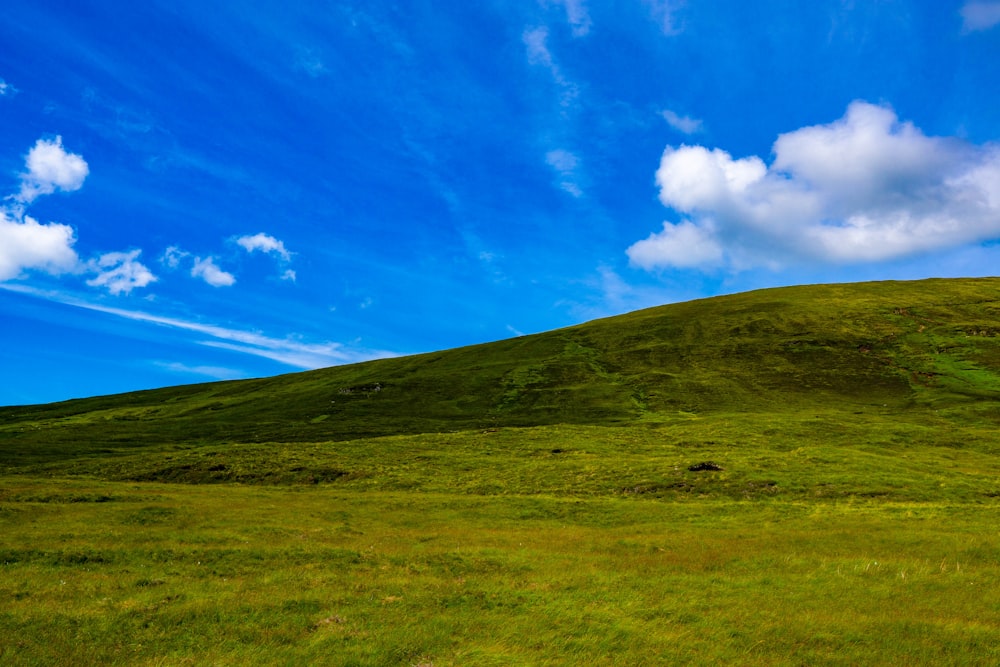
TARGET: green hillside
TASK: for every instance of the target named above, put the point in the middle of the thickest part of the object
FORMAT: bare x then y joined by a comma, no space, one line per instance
899,345
805,475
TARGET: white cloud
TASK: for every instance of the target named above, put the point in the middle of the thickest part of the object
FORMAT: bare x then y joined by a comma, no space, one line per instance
565,164
980,15
683,124
119,272
864,188
6,88
266,244
684,245
289,274
27,244
535,40
50,168
207,270
691,175
577,16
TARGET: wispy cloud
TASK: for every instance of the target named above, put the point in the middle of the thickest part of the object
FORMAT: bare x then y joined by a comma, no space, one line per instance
664,13
538,53
683,124
865,188
565,165
613,295
291,351
536,42
173,256
577,16
119,122
514,331
6,88
980,15
308,61
214,372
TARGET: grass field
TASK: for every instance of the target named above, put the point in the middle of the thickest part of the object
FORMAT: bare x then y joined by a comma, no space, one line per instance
98,573
808,476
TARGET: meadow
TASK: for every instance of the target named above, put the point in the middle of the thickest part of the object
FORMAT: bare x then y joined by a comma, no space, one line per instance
787,477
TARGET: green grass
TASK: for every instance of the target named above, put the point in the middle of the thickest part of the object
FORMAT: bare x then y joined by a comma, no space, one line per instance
161,574
532,501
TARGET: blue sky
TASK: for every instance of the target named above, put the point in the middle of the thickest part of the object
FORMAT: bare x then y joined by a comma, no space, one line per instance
195,191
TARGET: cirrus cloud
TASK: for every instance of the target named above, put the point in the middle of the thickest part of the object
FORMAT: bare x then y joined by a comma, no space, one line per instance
291,350
536,42
865,188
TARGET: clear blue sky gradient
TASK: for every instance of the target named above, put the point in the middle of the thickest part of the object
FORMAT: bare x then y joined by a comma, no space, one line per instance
290,185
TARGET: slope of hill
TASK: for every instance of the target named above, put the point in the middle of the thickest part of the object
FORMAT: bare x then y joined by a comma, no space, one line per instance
905,344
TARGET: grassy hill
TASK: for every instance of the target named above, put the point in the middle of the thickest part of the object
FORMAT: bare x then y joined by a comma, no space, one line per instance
900,345
805,475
